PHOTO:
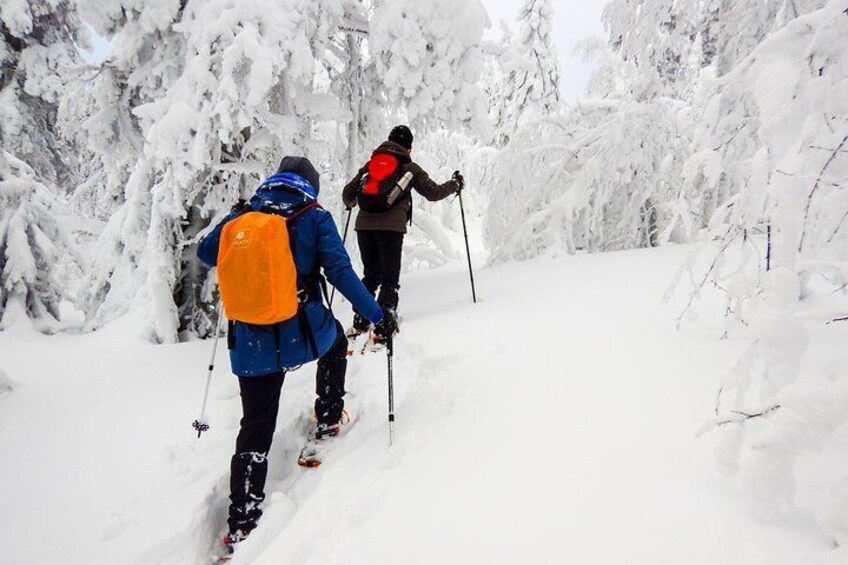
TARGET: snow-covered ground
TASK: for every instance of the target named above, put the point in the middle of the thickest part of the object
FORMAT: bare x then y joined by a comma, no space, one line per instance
553,422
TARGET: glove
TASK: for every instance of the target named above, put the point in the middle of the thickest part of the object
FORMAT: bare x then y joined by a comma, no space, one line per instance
239,206
387,327
460,181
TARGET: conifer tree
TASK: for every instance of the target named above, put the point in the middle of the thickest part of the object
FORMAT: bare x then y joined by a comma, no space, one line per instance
37,56
529,71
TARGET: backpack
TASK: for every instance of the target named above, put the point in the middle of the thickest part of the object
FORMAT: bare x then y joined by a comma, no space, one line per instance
257,276
382,187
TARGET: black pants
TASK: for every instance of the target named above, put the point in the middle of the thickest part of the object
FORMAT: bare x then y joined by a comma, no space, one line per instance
260,401
381,253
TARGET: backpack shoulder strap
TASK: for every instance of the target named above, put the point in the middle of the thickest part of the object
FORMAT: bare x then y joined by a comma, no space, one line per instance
304,209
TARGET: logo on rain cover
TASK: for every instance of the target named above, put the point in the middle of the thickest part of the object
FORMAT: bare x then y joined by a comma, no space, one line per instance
242,239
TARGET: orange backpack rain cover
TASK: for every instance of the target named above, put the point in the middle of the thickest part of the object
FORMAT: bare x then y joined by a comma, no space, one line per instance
256,271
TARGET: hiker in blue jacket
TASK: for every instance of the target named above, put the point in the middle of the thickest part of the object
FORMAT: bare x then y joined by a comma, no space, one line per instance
261,355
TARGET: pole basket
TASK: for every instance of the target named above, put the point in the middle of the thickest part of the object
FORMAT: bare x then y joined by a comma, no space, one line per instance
200,427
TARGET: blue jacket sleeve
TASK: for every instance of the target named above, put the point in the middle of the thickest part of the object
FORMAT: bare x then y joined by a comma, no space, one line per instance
336,264
207,250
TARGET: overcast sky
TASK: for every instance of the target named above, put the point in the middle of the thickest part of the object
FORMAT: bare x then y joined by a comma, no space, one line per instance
573,20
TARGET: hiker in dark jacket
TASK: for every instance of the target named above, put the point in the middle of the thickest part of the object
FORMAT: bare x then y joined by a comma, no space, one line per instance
261,354
380,233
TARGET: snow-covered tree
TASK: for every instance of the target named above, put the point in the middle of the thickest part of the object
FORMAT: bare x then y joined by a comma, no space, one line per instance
661,38
428,58
668,148
231,87
672,40
739,27
781,134
603,176
538,86
38,53
236,94
144,60
33,245
527,72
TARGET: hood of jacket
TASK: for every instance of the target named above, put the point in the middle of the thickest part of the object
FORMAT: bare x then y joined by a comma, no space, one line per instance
283,193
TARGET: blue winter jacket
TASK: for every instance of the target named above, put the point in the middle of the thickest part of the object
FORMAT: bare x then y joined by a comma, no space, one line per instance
315,242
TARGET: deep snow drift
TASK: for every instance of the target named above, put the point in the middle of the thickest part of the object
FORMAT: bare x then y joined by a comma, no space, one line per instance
553,422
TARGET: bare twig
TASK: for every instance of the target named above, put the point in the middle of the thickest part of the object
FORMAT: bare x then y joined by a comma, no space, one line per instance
827,148
718,401
732,135
739,417
827,164
727,241
837,228
768,247
822,180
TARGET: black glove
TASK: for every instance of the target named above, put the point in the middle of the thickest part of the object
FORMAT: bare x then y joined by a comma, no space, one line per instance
387,326
239,206
460,181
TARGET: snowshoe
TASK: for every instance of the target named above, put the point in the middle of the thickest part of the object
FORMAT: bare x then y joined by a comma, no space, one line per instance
315,448
353,336
360,326
374,344
228,547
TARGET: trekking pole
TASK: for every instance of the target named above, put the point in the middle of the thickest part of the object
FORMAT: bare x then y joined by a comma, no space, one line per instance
200,424
390,350
467,250
344,240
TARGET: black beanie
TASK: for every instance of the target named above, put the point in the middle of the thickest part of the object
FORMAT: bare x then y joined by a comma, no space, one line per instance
301,166
402,136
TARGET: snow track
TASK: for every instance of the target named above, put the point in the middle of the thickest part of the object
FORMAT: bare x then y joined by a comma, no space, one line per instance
554,422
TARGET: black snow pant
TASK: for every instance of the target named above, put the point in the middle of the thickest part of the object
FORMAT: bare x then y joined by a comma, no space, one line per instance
260,400
381,253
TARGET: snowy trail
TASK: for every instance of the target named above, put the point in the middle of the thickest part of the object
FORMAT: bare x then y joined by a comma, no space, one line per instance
554,422
553,426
